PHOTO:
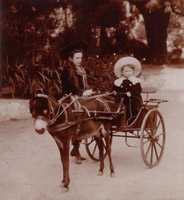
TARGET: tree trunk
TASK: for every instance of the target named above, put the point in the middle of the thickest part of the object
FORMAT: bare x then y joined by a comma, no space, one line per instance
103,37
156,24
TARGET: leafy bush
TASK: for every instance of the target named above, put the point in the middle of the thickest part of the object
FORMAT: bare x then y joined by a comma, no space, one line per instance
37,68
40,68
100,72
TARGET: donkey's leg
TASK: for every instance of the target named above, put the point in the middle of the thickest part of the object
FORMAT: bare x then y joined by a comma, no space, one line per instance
99,141
64,145
75,152
108,150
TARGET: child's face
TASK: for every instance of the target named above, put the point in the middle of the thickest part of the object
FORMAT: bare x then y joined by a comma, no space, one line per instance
77,58
127,71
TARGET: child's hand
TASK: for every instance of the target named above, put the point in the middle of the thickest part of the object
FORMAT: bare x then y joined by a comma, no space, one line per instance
88,92
128,94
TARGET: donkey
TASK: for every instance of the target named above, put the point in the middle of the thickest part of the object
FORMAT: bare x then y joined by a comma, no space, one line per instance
64,123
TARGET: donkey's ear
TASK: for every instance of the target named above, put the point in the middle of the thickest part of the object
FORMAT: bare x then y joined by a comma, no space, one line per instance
39,91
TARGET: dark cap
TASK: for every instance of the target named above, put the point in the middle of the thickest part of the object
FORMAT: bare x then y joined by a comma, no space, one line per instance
77,45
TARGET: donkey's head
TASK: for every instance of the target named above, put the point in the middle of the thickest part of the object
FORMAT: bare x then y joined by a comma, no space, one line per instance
40,110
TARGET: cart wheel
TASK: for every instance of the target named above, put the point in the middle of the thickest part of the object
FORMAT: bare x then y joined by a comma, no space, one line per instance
152,139
92,148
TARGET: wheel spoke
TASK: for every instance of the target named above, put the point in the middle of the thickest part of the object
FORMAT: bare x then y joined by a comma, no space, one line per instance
152,138
93,153
159,144
92,139
160,134
148,131
146,154
156,153
157,127
151,158
146,141
147,134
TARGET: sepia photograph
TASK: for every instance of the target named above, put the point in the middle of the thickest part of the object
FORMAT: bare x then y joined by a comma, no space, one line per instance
91,99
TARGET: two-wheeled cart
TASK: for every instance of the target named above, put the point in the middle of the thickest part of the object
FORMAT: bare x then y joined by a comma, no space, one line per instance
148,126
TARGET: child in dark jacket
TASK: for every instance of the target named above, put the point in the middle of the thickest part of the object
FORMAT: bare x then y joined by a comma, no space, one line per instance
128,85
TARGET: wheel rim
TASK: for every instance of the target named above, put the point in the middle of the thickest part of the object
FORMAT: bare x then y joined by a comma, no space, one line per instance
152,140
92,148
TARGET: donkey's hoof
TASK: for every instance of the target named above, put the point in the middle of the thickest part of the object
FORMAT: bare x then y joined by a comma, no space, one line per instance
62,185
78,161
112,174
100,173
82,158
64,190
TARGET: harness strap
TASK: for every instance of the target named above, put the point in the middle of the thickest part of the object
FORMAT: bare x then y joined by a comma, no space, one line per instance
64,126
77,106
86,111
65,113
60,127
41,95
63,98
107,108
97,96
75,101
60,144
52,121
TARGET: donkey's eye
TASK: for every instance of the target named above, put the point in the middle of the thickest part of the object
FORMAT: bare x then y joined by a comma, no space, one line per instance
45,111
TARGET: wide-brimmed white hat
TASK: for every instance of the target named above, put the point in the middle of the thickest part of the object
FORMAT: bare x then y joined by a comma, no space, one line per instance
127,61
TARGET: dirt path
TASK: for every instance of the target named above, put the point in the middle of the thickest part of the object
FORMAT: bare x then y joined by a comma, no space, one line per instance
30,167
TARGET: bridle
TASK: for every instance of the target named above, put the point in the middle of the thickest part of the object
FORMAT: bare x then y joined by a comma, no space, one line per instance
55,114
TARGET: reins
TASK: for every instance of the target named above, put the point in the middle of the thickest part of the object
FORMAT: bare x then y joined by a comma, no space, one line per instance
73,101
51,122
97,96
65,106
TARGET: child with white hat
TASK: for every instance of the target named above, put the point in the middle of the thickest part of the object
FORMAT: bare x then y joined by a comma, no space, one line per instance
128,85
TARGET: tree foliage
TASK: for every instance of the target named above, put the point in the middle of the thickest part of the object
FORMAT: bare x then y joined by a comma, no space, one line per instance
90,15
26,27
30,57
34,31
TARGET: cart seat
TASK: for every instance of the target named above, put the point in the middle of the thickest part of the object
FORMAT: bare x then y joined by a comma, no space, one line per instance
148,90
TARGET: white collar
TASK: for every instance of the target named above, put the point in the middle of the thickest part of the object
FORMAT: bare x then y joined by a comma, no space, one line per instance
133,79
